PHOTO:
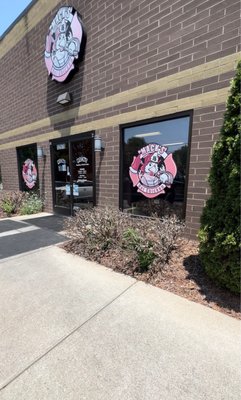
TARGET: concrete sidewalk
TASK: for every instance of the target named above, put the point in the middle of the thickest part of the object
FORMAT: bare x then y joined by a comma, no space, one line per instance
71,329
26,233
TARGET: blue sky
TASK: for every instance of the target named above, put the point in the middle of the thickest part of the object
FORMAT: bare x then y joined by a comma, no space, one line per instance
10,10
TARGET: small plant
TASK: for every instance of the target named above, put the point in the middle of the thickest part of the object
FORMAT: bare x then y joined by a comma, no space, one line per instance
31,205
10,202
8,206
99,229
131,238
143,248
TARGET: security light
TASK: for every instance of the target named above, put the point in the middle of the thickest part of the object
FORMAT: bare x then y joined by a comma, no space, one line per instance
40,152
99,144
64,98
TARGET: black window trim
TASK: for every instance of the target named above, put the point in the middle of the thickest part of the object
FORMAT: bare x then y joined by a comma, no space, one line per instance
168,117
18,165
70,139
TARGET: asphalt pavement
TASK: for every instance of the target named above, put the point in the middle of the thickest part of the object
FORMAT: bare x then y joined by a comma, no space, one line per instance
71,329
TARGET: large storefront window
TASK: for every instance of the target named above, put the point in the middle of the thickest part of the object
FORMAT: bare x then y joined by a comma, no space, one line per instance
28,168
155,162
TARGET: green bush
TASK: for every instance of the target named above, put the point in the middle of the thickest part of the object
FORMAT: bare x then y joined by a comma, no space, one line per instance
10,202
219,234
7,206
134,241
32,204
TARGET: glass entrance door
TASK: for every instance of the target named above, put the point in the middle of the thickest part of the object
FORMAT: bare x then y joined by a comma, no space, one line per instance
73,174
61,177
82,173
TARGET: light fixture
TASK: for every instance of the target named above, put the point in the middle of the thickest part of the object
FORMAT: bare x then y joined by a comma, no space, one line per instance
64,98
99,144
40,152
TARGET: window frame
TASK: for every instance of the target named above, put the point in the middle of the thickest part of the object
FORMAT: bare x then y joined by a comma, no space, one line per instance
70,139
20,179
188,113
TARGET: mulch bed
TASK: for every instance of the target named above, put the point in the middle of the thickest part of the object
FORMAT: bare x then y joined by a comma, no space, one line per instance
183,276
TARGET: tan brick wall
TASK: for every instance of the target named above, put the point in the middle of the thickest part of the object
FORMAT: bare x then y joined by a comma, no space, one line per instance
129,44
143,59
205,131
9,170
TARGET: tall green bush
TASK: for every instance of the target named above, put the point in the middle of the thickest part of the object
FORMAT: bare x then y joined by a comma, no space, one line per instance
219,234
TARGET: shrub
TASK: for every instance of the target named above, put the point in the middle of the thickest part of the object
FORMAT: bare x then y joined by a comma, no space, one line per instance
139,244
10,202
32,204
134,241
98,228
220,226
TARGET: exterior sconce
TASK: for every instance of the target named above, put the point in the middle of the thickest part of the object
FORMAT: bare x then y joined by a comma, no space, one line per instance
64,98
40,152
99,144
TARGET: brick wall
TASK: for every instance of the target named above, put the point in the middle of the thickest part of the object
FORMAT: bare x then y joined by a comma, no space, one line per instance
130,44
9,169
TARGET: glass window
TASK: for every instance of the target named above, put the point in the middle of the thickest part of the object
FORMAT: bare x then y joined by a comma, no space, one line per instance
28,168
154,160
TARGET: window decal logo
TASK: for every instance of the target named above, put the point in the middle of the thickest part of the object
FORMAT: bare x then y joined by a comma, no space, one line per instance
82,161
61,162
152,170
29,173
65,42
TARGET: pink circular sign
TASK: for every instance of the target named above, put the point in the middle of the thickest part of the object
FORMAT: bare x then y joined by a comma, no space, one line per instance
64,43
152,170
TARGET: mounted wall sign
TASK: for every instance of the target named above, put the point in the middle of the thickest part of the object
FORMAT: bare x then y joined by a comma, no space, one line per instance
29,173
65,43
152,170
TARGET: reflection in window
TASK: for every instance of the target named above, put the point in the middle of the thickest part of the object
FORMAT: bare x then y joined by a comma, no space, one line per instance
155,167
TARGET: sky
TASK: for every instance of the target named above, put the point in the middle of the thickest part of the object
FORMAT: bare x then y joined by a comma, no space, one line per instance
10,10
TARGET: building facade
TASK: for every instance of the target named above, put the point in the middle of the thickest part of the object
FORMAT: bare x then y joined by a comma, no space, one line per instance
148,89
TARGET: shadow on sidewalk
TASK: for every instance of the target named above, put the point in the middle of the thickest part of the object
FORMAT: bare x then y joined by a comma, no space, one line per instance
52,222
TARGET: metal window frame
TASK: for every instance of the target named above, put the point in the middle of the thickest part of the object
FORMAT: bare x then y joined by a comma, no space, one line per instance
168,117
71,139
20,179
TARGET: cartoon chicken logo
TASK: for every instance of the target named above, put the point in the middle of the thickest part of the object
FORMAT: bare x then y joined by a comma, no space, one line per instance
29,173
152,170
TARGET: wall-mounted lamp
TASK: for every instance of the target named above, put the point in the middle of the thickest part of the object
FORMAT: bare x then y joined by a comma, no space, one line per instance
40,152
64,98
99,144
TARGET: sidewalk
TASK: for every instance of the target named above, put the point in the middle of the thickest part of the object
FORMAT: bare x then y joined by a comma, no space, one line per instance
71,329
26,233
